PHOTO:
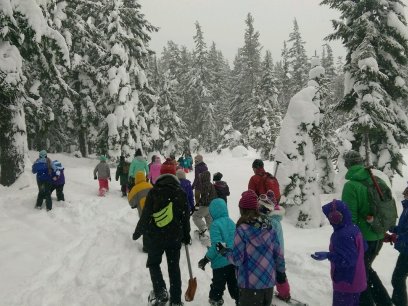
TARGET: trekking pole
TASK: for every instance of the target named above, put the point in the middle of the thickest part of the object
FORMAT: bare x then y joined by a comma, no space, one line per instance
377,187
276,168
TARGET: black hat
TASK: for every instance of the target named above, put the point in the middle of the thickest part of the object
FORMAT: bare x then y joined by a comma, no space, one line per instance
138,152
258,163
217,176
352,158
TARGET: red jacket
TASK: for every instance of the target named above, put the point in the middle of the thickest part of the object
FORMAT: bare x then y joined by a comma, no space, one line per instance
262,181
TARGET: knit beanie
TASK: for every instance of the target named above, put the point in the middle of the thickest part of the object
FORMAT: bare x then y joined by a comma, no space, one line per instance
138,152
217,176
57,164
103,158
258,163
168,167
352,158
42,154
180,174
198,158
249,200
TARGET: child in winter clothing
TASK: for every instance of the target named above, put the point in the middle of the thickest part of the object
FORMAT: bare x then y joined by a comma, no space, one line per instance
207,194
122,172
186,185
256,254
154,169
222,230
102,174
43,168
58,180
199,167
400,238
268,205
346,255
139,163
221,187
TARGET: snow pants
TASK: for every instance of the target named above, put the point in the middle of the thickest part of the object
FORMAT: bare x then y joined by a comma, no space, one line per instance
221,277
345,298
198,216
375,294
123,188
399,278
255,297
154,258
103,184
44,192
59,190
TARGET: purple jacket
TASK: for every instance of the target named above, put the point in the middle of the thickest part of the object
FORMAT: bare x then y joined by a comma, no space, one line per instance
198,169
257,255
222,190
186,186
60,177
346,252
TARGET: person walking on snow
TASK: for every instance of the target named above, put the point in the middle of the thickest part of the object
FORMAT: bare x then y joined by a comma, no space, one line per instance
355,196
399,236
199,167
58,180
165,225
186,185
154,169
256,253
102,174
122,172
222,230
43,169
263,181
207,194
139,163
346,255
221,187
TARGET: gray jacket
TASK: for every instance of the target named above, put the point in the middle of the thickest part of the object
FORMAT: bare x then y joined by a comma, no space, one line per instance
103,170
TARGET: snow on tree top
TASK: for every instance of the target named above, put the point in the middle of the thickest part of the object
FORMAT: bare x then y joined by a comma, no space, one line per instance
10,62
368,62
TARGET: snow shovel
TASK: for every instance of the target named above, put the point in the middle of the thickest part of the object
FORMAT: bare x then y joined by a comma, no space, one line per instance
192,282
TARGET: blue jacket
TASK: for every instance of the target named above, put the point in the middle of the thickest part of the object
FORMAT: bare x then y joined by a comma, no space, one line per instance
222,229
186,185
43,167
402,230
275,219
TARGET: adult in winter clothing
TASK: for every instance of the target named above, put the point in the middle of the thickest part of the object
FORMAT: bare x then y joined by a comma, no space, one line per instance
186,185
207,194
139,163
268,206
58,180
165,225
355,196
154,169
263,181
221,187
346,255
399,236
199,167
222,230
43,168
102,174
122,172
256,254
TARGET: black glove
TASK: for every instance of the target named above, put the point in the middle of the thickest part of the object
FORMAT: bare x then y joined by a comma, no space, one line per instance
95,178
222,248
110,180
280,277
202,263
136,236
187,239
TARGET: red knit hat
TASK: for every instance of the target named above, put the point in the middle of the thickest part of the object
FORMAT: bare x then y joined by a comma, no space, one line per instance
249,200
168,167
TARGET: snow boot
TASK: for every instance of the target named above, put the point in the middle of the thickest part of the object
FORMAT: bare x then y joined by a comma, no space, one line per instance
159,300
216,303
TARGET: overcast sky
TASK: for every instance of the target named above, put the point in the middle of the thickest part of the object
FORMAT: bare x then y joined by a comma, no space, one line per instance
223,21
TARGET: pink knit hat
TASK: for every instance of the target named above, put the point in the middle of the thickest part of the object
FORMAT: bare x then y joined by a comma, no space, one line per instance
249,200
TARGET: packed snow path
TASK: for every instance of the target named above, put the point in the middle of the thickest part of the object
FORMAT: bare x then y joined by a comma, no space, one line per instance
82,252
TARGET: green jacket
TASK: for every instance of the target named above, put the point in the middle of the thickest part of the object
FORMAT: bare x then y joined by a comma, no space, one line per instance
355,195
138,164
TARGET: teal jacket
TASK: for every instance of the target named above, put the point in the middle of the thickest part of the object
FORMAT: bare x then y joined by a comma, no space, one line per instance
275,218
355,195
138,164
222,230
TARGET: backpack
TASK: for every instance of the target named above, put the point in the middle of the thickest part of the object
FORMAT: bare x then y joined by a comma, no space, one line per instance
271,183
383,209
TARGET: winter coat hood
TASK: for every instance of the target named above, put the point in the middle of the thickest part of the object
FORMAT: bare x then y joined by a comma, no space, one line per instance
357,173
140,177
341,208
218,209
165,180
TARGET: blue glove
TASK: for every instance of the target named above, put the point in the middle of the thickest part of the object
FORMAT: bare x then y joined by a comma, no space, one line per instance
320,255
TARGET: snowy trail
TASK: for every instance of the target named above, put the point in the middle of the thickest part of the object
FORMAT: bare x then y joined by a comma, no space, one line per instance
82,252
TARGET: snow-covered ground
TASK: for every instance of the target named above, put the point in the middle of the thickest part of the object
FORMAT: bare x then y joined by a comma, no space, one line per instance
82,252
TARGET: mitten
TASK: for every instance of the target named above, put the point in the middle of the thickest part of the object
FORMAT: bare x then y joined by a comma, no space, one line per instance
110,179
320,255
136,236
202,263
283,291
95,178
222,248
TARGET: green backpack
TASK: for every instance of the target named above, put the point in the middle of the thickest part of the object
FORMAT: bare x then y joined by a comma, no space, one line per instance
382,208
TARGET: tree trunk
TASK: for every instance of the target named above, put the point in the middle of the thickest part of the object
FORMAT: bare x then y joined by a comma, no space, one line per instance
13,140
83,142
367,148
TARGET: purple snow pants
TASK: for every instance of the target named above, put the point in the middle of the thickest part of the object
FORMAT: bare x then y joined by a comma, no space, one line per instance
345,299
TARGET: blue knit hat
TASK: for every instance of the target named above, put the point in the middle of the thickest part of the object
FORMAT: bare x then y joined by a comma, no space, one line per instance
43,154
57,164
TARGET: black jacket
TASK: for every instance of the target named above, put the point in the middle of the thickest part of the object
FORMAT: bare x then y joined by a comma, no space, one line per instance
166,189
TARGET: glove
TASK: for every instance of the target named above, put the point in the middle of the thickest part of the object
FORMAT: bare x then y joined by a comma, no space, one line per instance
222,248
187,239
136,236
203,262
280,277
320,255
95,178
110,180
390,238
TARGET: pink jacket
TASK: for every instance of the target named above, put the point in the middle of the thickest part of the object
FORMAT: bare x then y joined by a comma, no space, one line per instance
154,171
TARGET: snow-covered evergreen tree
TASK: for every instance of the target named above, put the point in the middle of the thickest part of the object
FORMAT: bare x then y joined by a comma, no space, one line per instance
375,35
230,137
284,78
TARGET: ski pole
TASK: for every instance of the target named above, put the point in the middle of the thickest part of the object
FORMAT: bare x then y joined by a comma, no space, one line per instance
276,168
